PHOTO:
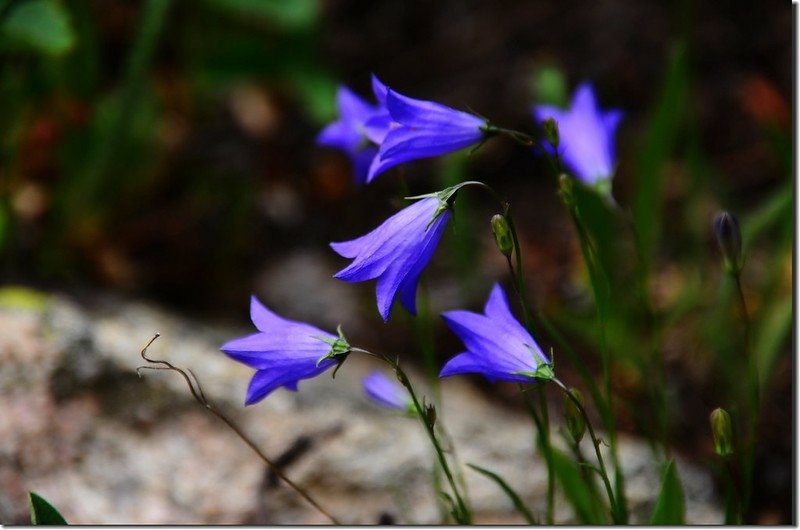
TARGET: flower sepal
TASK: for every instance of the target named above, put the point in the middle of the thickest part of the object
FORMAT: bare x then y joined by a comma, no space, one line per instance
340,349
543,373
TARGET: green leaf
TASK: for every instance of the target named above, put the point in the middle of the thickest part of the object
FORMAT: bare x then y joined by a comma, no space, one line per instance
669,507
515,499
578,492
660,140
774,331
290,15
549,87
43,513
43,25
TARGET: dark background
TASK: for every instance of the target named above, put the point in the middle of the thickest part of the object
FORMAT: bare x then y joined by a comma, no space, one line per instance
165,150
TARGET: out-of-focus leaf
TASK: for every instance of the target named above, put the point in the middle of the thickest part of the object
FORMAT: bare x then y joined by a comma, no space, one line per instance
4,225
317,92
599,222
776,325
669,507
42,25
508,490
288,14
548,87
576,490
660,139
777,209
43,513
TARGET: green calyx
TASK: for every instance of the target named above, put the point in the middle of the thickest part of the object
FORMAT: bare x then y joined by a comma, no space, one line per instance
446,198
340,348
544,372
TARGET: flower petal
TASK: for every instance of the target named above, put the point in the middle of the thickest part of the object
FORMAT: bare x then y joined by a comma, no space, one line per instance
265,381
418,113
385,392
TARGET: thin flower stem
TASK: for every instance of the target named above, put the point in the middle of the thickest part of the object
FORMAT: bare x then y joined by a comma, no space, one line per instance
737,488
544,446
585,468
608,417
616,514
551,476
462,514
754,404
197,392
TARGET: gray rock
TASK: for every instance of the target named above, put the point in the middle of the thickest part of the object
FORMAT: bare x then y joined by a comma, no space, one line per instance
106,446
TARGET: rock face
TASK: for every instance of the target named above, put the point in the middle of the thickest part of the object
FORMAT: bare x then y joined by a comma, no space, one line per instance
103,445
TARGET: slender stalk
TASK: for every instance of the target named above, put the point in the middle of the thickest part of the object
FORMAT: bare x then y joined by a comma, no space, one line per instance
584,467
199,396
616,515
544,446
551,476
589,253
463,515
754,404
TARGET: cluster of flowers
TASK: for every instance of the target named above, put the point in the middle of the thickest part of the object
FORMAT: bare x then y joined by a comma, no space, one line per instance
377,137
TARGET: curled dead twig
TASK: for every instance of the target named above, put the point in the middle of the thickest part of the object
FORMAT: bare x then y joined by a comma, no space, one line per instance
197,392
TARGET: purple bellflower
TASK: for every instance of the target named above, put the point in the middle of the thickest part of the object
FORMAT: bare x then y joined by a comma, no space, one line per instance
351,133
385,392
498,347
421,129
396,252
586,135
283,352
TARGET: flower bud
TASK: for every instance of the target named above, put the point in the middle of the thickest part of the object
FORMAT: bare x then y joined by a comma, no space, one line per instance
430,415
550,131
729,238
576,424
722,431
502,234
565,190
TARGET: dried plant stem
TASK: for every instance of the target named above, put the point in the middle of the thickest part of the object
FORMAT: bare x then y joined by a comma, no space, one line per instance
462,514
199,396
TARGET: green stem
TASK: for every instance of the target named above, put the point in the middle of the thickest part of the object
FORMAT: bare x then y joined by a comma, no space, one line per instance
754,404
543,444
462,514
589,253
551,475
617,516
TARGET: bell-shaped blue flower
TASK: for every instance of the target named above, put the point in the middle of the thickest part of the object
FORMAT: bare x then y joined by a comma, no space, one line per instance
498,347
586,135
385,392
350,132
422,129
396,252
283,352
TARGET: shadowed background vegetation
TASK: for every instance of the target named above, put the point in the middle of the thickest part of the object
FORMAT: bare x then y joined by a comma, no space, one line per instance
165,150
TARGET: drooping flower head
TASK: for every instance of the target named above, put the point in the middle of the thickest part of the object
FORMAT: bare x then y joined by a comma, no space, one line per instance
385,392
421,129
350,132
283,352
396,252
586,135
498,347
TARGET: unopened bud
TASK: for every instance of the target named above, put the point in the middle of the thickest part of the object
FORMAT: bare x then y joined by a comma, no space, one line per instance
566,191
430,415
722,431
550,131
576,424
729,238
502,234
